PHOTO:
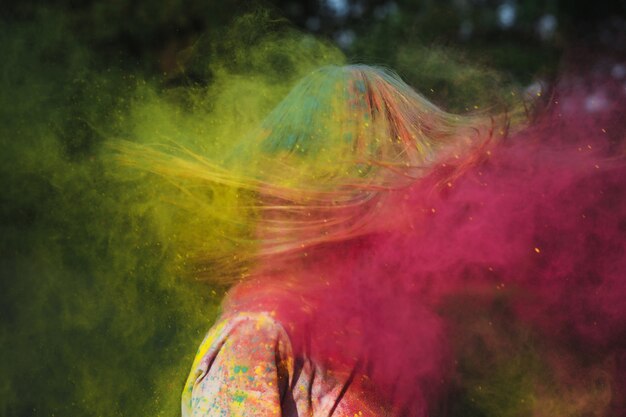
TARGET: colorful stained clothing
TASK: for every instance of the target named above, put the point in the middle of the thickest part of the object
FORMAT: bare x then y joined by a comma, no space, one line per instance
245,367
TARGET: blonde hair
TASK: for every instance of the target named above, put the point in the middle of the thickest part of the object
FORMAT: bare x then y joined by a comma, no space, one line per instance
320,165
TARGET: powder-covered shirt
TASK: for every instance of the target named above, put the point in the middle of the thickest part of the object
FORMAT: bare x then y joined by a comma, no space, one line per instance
245,367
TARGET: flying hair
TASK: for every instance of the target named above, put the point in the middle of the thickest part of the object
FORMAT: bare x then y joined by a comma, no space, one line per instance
319,168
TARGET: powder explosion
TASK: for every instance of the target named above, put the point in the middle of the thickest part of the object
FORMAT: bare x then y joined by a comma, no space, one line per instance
484,278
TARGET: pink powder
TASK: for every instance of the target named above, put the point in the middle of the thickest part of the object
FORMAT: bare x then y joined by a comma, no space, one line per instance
543,218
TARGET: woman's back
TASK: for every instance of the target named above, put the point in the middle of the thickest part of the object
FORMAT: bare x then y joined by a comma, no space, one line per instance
246,367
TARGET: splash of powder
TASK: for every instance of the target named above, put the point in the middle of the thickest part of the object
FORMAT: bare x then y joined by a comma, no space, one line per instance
514,271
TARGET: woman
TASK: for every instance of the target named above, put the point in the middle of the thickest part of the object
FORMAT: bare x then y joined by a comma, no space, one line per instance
331,164
393,259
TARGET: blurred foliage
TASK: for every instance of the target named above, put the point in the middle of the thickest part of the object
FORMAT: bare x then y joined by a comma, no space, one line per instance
155,38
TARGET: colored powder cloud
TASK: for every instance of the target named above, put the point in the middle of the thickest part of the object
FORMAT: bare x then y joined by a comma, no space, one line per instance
99,318
498,293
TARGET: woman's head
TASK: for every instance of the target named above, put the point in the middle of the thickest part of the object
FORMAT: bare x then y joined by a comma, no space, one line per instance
340,144
356,126
324,163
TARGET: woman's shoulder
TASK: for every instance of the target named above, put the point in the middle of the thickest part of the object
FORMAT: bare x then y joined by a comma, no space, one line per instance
244,333
243,363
